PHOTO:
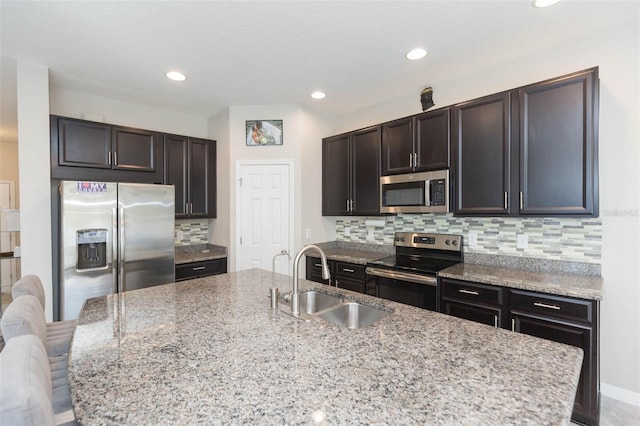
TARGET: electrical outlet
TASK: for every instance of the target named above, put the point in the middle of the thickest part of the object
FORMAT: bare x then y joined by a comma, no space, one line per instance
308,233
347,231
180,235
370,234
473,239
522,241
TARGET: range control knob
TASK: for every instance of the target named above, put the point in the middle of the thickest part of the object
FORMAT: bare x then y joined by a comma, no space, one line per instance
448,242
454,242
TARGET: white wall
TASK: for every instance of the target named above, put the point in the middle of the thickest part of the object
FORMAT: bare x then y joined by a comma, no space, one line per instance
616,52
219,228
35,171
72,103
289,150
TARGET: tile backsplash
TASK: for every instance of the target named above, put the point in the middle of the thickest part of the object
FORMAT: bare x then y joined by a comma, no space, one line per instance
567,239
189,232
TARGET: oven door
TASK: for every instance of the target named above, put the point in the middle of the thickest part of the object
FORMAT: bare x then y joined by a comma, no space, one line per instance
410,289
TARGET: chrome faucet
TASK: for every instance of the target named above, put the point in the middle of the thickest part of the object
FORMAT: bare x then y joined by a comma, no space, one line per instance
295,303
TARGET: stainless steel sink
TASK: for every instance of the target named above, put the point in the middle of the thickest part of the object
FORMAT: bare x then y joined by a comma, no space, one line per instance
314,301
353,315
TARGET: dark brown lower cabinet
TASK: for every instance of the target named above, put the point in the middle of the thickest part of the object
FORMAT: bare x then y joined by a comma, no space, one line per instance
569,320
473,301
566,320
345,275
187,271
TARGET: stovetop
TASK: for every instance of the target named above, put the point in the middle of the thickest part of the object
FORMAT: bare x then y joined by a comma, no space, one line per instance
417,264
422,253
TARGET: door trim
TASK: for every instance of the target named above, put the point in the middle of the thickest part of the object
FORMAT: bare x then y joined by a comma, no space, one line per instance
238,231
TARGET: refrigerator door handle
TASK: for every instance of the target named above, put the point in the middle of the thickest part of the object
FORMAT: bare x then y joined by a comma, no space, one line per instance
114,249
122,260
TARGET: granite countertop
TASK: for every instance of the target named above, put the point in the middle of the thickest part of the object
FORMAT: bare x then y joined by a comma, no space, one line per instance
211,351
357,253
199,252
563,284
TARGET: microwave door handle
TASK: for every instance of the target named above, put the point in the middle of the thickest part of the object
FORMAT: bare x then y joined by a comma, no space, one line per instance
427,193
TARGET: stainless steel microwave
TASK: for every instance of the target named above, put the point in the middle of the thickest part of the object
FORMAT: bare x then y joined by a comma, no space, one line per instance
425,192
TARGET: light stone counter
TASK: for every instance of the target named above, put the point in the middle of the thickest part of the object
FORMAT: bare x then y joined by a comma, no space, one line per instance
211,351
574,285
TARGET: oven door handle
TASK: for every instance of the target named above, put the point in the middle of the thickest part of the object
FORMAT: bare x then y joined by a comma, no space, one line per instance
397,275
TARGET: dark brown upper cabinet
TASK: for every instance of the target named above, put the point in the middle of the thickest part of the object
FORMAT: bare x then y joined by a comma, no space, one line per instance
190,165
482,150
558,149
417,143
351,173
97,151
529,151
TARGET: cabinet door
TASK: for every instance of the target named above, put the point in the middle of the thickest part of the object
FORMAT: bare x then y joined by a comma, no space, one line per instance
202,178
472,312
175,170
84,144
135,149
432,140
482,155
397,146
335,176
558,167
365,178
585,407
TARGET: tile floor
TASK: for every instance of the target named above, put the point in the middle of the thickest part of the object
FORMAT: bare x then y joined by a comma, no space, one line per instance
618,413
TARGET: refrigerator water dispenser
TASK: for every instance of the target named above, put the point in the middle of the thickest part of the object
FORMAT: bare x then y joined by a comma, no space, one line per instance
92,249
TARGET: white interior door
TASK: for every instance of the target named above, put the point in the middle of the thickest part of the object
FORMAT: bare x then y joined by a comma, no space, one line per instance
265,225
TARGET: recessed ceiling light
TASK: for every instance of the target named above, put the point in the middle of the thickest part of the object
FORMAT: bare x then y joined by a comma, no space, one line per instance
318,95
176,76
544,3
416,54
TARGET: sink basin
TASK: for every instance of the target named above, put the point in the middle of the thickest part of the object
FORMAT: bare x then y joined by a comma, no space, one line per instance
353,315
314,301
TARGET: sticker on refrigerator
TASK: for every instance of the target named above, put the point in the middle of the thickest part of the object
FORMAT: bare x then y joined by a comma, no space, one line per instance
92,187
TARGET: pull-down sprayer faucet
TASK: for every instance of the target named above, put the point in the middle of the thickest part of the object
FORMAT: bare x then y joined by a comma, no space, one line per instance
295,303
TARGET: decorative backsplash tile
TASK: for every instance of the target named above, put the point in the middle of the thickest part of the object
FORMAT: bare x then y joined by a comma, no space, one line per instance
191,232
568,239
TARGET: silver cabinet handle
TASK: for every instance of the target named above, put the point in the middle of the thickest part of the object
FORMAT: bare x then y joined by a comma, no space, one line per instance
337,283
115,158
348,270
415,159
347,205
198,268
474,293
318,264
544,305
495,321
411,160
513,324
109,159
506,200
351,206
521,201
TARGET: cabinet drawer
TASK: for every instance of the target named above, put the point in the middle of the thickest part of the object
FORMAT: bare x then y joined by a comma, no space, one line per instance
314,270
472,292
201,269
350,271
552,306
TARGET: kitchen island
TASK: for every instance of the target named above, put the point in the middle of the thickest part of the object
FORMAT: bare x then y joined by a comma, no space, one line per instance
211,351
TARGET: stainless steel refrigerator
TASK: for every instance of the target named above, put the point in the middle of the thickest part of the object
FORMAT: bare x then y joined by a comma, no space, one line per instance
114,237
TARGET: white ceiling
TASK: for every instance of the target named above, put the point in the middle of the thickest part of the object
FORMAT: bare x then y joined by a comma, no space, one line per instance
264,52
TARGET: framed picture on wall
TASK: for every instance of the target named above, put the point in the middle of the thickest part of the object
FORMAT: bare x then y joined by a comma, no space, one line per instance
264,132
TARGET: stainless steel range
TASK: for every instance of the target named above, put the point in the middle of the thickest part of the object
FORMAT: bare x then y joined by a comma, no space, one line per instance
410,276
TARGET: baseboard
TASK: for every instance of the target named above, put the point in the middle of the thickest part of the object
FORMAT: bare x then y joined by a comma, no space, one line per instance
620,394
